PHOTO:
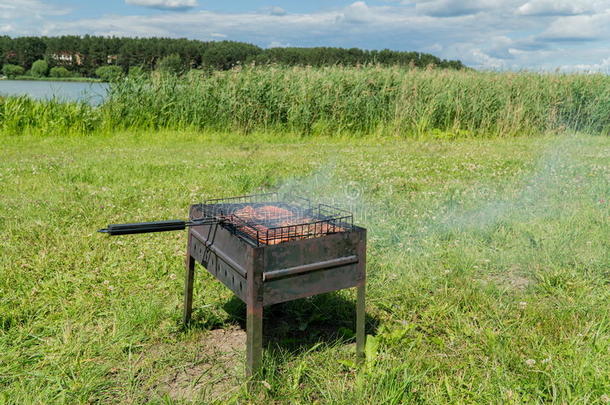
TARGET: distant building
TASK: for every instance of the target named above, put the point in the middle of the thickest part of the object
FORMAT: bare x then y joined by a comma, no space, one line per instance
70,58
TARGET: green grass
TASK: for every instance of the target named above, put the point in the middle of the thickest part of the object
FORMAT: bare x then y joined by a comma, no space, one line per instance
395,102
488,264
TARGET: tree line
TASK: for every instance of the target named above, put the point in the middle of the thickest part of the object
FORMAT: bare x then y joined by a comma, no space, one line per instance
83,55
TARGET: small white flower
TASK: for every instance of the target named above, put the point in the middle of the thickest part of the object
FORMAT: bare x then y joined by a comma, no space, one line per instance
522,304
172,276
530,362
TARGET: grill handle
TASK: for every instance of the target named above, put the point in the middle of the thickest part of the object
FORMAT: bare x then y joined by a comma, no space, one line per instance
144,227
158,226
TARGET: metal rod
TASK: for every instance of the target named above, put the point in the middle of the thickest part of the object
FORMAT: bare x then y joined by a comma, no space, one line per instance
189,277
360,318
254,319
306,268
254,339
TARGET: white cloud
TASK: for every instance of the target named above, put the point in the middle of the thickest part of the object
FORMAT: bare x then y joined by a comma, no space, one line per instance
561,7
486,61
577,28
201,24
164,4
451,8
275,10
24,17
603,66
14,9
357,12
277,44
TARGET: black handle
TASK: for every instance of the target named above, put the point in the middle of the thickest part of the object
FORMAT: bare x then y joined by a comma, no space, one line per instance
144,227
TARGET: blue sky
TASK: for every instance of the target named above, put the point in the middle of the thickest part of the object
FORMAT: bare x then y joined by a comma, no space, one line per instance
488,34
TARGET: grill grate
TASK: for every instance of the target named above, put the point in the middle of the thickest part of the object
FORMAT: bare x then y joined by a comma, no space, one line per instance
264,219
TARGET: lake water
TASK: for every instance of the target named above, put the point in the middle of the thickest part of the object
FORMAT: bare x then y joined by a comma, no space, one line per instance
93,93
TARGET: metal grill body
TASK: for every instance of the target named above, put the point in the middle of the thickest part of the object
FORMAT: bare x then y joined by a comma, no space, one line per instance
276,263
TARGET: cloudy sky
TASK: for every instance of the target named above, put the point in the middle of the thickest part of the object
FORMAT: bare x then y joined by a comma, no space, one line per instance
490,34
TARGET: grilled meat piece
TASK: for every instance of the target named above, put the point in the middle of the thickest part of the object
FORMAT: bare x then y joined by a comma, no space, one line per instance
272,225
264,213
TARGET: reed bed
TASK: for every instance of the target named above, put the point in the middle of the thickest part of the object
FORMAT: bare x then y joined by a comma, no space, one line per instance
335,100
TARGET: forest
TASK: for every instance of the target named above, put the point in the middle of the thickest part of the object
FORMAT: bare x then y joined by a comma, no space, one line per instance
83,55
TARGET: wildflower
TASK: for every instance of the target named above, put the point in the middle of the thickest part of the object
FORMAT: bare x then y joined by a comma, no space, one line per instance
172,276
105,282
522,304
530,362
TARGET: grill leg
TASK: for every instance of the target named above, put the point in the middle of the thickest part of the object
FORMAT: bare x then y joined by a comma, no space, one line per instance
188,288
360,317
254,339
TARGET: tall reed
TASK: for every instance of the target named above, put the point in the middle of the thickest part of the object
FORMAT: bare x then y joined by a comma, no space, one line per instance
330,100
19,115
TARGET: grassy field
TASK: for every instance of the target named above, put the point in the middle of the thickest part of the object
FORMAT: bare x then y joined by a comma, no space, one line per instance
489,268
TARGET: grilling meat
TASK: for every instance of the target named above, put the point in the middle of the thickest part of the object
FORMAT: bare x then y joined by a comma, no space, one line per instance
279,224
264,213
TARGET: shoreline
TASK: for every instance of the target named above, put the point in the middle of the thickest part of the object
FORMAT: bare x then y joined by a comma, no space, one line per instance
55,79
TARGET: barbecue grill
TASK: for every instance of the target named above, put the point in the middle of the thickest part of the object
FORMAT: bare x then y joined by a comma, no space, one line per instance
269,250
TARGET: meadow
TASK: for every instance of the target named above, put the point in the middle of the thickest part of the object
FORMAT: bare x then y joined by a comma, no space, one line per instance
487,202
488,271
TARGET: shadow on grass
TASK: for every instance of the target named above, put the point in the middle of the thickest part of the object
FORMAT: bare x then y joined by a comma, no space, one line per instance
297,326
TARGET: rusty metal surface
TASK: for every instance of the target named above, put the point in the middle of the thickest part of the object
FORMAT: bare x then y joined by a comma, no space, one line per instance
299,252
306,285
225,271
360,322
254,314
189,278
288,271
270,274
234,250
204,251
360,300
